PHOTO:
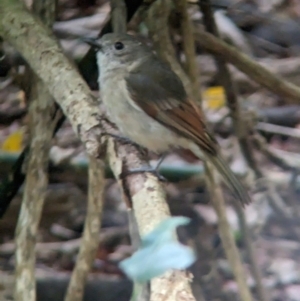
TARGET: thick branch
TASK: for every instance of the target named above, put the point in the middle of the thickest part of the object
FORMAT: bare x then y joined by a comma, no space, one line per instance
150,208
35,42
149,204
88,69
64,83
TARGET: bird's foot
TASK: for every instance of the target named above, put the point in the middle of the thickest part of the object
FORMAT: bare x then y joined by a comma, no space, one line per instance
151,170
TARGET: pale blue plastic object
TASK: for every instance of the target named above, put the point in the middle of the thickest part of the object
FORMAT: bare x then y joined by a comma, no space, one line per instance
159,252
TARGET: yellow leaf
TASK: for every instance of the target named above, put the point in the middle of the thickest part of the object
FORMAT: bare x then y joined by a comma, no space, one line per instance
13,143
214,97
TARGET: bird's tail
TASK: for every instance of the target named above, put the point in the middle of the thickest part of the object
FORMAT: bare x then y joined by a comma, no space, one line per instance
231,180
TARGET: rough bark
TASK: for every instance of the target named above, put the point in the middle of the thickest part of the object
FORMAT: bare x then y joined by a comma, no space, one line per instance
41,110
37,45
150,207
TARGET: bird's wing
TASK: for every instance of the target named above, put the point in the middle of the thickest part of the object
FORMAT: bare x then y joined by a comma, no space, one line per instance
159,92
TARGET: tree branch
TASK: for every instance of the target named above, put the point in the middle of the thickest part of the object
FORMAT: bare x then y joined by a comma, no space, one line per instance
46,58
218,203
158,24
37,45
255,269
228,242
150,208
90,238
118,16
231,94
88,69
254,70
242,134
41,127
189,48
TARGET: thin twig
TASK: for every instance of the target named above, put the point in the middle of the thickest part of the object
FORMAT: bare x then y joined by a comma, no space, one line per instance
92,226
247,238
41,127
229,246
245,145
278,129
226,235
262,146
189,48
90,238
69,247
254,70
158,24
231,94
118,16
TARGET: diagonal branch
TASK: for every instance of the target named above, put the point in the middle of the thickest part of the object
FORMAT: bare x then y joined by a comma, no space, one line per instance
245,64
150,208
88,69
35,42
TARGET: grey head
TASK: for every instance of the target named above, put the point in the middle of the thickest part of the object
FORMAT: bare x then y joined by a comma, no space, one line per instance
119,51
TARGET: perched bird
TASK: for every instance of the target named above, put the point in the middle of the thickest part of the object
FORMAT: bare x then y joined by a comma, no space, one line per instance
148,103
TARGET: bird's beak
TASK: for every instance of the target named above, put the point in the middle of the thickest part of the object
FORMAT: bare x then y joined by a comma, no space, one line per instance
94,42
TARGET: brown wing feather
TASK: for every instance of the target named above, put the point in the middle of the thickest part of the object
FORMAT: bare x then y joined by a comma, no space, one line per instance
187,120
160,93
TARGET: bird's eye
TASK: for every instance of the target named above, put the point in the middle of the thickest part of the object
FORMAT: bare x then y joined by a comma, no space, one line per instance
119,45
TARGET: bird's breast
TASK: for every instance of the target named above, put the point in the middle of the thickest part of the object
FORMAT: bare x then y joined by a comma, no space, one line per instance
131,120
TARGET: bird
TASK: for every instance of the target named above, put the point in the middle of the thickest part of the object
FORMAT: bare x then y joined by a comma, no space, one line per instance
150,106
